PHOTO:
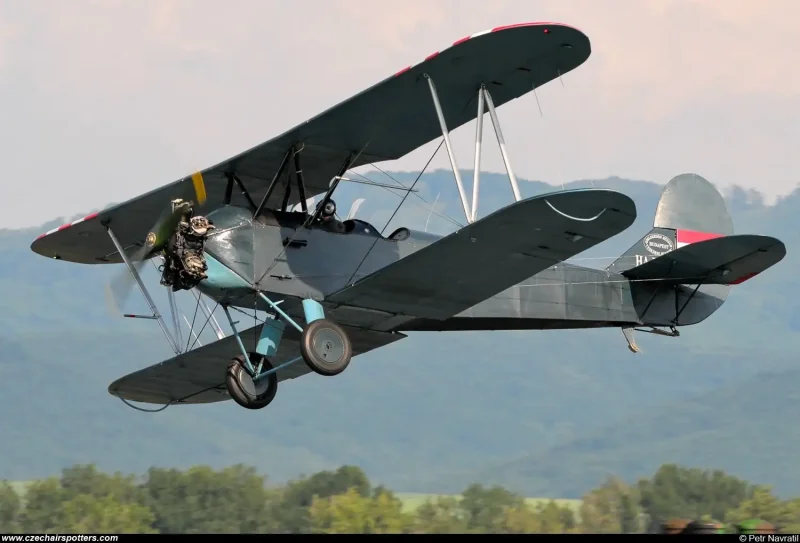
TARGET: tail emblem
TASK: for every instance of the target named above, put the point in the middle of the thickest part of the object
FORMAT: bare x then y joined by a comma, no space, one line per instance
658,244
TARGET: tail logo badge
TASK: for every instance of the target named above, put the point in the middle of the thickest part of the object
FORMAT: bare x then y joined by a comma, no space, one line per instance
658,244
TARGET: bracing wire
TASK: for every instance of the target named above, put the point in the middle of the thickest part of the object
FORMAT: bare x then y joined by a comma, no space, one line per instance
375,241
208,319
255,317
191,328
429,206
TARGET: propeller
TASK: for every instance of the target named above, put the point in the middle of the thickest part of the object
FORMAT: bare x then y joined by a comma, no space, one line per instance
119,287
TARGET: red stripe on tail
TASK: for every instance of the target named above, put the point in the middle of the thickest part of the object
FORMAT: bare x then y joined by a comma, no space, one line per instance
689,236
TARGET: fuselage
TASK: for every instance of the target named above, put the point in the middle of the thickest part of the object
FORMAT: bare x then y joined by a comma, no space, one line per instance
279,256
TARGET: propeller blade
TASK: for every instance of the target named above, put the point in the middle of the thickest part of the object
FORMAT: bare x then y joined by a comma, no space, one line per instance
199,187
119,287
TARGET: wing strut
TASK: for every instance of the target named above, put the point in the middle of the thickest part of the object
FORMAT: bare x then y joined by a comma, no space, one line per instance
271,187
483,98
476,172
142,288
301,184
446,134
502,143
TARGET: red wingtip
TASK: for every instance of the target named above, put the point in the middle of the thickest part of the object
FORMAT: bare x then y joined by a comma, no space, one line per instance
519,25
743,279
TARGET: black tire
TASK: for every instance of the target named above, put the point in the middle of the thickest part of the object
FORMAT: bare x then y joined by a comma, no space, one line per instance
243,390
325,347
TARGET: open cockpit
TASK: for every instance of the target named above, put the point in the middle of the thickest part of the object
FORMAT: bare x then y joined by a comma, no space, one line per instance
231,216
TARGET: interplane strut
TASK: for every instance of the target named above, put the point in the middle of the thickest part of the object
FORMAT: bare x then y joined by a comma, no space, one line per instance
484,98
143,289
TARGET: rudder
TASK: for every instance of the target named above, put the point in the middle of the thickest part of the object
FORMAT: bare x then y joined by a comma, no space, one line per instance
690,210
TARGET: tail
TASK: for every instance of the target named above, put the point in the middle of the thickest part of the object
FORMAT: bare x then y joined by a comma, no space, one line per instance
690,210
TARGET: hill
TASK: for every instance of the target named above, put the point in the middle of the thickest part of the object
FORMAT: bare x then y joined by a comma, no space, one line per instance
747,427
430,408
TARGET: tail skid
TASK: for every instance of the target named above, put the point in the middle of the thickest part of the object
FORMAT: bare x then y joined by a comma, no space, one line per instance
628,331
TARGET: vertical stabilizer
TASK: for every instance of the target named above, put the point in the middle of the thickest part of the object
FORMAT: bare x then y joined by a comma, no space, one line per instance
690,210
691,204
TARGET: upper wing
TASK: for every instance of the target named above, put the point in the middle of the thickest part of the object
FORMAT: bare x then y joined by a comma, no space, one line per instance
198,376
385,122
492,254
727,260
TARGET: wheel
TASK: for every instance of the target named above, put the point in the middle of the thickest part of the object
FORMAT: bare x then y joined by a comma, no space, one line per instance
246,392
325,347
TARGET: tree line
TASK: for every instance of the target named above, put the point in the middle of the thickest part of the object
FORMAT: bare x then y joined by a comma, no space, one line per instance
238,499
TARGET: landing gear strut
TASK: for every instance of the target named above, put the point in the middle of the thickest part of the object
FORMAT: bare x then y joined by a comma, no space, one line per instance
252,380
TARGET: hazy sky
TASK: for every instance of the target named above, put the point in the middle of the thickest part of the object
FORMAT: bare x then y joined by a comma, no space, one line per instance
106,99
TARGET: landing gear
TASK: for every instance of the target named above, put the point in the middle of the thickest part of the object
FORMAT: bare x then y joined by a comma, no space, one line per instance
325,347
248,392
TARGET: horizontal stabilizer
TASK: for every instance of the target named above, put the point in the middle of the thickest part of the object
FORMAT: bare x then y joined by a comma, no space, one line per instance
198,376
492,254
727,260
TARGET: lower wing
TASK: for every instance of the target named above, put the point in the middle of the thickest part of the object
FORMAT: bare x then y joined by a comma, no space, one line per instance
492,254
198,376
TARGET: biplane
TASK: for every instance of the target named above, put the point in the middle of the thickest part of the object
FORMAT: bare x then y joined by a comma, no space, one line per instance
243,235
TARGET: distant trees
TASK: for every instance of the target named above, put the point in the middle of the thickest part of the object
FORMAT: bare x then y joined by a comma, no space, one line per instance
613,508
238,500
763,505
10,509
676,492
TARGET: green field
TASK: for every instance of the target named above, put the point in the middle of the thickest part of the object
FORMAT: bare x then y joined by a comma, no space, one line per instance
411,501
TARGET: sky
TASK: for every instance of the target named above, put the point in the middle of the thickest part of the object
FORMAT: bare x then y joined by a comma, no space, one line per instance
106,99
